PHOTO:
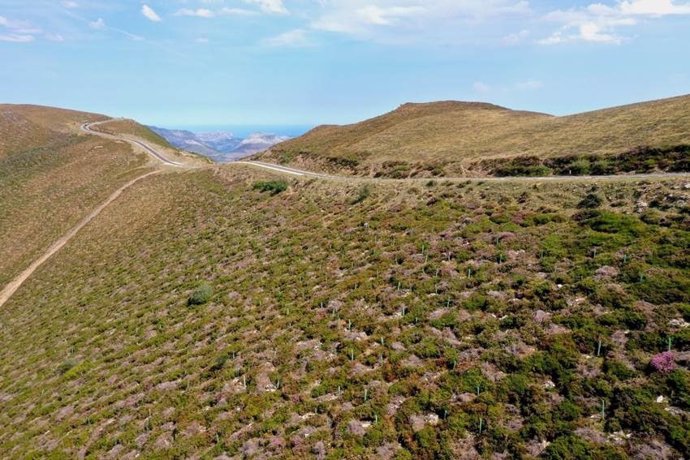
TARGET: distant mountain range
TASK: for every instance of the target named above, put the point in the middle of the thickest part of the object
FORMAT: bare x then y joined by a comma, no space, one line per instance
219,146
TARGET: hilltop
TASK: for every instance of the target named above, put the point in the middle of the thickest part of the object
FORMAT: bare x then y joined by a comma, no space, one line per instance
226,311
459,138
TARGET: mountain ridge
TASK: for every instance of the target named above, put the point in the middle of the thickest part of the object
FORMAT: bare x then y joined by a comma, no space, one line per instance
454,138
219,146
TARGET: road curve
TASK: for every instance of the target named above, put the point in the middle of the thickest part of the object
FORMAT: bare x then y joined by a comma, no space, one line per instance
88,128
17,282
302,173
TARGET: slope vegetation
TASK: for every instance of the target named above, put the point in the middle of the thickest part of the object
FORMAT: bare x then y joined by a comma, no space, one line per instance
227,312
51,176
456,138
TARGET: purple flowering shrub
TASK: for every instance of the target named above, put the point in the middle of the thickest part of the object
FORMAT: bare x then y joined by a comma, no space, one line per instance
664,362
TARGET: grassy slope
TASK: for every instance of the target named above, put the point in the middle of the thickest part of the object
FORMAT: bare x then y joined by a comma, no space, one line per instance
135,129
50,177
140,132
452,135
431,318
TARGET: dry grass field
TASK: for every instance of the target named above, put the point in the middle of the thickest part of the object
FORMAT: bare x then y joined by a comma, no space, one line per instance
131,127
450,138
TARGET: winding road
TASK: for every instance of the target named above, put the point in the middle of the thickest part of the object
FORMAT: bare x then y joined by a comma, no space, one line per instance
88,128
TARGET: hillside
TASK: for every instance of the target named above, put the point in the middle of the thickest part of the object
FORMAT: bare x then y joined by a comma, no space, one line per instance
51,175
230,312
456,139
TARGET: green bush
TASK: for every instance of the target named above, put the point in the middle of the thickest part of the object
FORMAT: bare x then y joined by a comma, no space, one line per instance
273,187
567,447
591,201
200,295
362,195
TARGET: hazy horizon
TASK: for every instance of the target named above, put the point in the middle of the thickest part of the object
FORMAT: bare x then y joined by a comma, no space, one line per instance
243,130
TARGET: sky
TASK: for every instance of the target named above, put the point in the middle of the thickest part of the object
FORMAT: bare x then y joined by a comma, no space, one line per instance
183,63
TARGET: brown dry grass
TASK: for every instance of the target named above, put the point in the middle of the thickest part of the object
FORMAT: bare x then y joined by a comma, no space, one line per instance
455,132
135,129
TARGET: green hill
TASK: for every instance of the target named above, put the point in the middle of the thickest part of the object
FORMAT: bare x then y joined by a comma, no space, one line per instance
229,312
457,138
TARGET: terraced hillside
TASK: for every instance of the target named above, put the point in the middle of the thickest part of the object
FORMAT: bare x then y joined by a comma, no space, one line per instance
51,176
457,138
229,313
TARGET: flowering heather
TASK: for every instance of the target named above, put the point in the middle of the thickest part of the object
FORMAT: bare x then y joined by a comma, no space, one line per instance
664,362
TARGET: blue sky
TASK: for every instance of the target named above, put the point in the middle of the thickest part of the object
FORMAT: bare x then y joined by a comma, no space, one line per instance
248,62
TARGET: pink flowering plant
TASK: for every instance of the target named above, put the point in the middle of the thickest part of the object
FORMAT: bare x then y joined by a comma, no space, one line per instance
664,362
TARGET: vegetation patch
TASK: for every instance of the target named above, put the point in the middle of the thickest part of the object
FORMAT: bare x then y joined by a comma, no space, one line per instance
200,295
640,160
273,187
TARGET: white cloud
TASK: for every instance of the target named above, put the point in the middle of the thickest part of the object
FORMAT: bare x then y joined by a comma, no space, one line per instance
653,7
413,20
529,85
69,4
55,38
377,15
269,6
600,23
150,14
98,24
17,38
481,87
18,31
293,38
207,13
199,13
516,38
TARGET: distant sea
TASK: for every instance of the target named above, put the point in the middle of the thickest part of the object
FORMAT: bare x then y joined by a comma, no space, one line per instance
245,130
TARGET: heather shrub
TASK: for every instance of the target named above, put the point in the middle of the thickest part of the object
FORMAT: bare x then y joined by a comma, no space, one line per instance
664,363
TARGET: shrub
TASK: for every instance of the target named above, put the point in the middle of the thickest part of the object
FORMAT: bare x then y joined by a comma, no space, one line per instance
200,295
66,366
362,195
580,167
591,201
273,187
664,363
567,447
609,222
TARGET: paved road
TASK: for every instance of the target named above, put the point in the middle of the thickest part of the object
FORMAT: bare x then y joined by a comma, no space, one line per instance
285,169
302,173
88,128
